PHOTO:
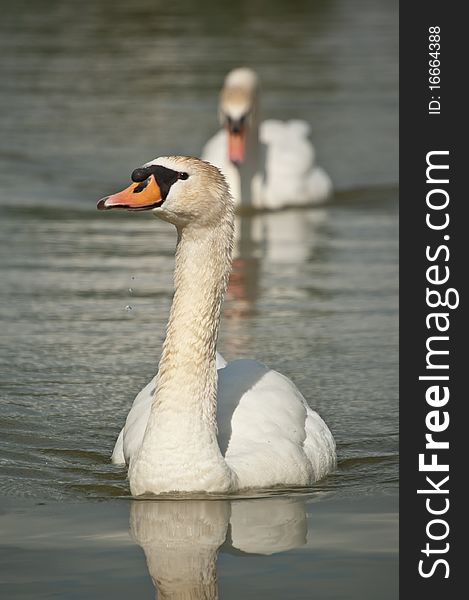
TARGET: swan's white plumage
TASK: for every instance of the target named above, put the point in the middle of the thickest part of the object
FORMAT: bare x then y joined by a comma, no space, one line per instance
267,431
283,170
275,437
185,433
291,173
131,435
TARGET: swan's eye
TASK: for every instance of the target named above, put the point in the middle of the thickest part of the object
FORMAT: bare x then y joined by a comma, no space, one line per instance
183,175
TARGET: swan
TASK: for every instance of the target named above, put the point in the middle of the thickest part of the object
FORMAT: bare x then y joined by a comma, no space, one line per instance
270,165
266,430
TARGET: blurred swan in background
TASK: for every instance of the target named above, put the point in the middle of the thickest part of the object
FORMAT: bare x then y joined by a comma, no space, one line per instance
268,165
176,431
181,539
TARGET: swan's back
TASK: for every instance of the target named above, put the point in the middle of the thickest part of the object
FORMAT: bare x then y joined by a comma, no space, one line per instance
271,435
291,176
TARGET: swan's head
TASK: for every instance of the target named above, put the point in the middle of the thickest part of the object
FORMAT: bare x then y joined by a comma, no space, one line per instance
238,100
179,189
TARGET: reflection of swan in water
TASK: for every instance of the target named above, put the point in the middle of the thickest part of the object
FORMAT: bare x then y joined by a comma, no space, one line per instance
263,241
292,236
269,525
181,538
248,250
279,237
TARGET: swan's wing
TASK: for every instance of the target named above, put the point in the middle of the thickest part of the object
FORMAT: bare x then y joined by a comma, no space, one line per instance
117,456
287,145
319,445
131,436
271,435
292,176
220,361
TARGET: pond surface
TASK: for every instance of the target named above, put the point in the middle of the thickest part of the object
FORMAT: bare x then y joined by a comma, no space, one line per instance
90,91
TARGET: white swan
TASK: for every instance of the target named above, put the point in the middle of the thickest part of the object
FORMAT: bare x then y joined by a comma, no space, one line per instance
269,165
268,432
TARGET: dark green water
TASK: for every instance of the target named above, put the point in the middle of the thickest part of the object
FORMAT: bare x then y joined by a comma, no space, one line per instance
89,91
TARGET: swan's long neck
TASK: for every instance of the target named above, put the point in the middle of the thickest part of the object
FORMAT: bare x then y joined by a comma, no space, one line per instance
180,449
251,166
187,372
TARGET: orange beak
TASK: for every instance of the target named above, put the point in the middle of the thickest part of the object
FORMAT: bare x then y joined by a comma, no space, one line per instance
237,146
144,195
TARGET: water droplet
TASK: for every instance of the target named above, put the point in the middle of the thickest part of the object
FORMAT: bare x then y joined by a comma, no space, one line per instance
130,290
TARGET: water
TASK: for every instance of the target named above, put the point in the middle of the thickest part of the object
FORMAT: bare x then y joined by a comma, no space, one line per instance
277,548
89,91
